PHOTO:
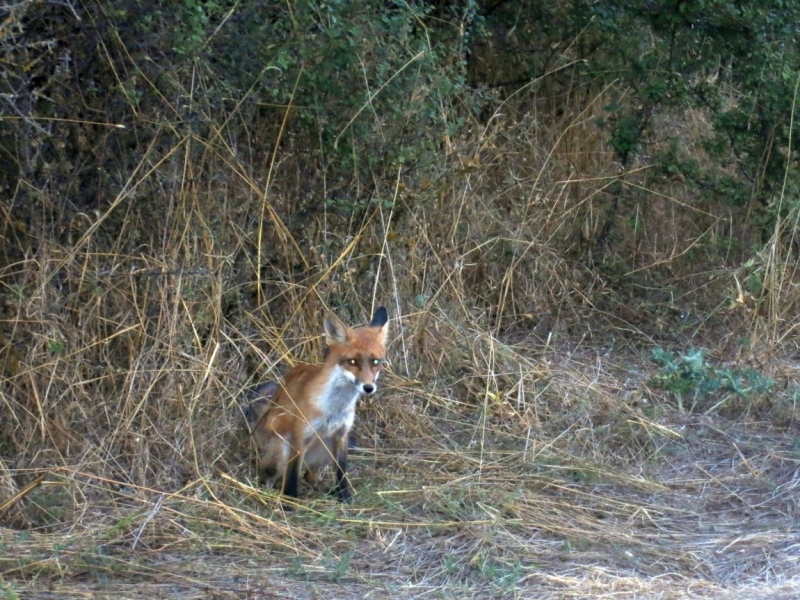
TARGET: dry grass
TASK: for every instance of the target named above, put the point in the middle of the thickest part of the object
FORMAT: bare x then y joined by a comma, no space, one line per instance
516,449
452,501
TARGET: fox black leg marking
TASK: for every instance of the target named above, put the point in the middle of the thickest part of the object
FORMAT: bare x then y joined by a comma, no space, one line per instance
292,476
342,487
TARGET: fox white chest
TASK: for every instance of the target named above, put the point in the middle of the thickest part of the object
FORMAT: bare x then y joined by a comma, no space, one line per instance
337,403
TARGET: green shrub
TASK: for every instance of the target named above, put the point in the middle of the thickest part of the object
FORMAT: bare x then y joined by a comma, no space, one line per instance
689,376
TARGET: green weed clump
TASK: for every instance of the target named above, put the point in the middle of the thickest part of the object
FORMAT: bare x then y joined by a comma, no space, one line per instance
689,377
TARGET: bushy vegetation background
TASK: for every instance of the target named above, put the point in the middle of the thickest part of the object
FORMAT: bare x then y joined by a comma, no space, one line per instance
583,218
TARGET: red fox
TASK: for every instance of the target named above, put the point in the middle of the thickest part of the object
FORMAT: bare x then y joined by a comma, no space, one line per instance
307,420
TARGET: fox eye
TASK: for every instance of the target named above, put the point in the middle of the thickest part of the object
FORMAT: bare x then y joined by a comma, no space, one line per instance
376,362
352,362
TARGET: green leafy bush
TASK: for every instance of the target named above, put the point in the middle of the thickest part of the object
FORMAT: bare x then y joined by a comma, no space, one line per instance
689,376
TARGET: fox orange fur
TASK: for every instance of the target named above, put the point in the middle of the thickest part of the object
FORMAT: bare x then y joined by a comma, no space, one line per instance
305,422
316,457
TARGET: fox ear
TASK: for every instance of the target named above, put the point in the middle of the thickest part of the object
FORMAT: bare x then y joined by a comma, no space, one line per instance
336,332
381,319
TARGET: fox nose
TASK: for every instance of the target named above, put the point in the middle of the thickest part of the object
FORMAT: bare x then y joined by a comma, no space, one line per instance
368,388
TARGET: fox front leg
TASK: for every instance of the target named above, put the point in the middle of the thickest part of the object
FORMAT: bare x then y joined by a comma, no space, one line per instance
342,487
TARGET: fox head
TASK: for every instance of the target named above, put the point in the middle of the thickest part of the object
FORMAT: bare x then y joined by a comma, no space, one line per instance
359,352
